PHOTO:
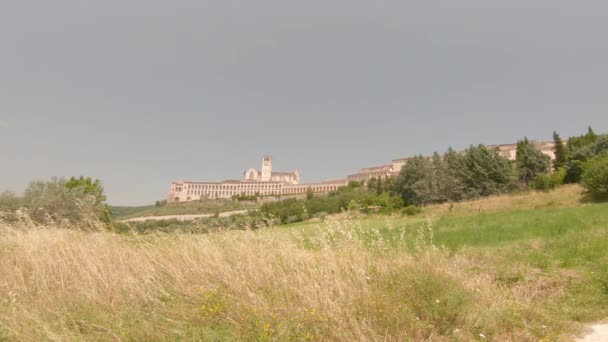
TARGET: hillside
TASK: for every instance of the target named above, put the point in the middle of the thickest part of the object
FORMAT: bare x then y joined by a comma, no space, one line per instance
524,267
185,208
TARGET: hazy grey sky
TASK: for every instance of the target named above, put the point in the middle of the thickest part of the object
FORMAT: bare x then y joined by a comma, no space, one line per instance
140,92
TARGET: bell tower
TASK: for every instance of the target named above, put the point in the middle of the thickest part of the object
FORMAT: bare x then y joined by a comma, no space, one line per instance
266,168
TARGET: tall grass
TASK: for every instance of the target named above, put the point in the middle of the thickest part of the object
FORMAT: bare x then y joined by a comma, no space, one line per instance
346,283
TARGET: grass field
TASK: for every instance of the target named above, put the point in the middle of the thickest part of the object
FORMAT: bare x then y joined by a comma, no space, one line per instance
523,267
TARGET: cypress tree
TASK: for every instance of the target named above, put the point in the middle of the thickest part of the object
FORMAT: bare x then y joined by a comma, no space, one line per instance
560,152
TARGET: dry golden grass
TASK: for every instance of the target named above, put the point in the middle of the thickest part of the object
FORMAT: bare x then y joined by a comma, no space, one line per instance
566,196
59,285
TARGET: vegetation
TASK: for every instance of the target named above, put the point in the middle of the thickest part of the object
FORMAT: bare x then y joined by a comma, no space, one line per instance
482,172
561,154
479,171
530,162
595,176
79,202
10,201
523,267
354,196
186,208
581,149
549,181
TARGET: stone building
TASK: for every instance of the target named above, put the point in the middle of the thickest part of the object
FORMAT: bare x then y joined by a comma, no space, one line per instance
368,173
254,182
510,150
266,175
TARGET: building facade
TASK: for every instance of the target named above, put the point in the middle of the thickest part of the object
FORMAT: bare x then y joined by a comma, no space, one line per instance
368,173
254,182
510,150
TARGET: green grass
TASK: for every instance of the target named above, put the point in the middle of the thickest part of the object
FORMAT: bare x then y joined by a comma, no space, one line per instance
506,227
565,247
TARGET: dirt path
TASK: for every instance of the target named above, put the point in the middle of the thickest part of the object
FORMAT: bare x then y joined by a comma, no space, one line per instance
182,217
599,334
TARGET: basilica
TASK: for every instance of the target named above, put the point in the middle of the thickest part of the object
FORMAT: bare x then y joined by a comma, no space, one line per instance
264,182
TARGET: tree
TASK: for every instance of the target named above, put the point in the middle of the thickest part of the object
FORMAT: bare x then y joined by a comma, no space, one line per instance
530,161
93,189
561,157
80,201
371,184
379,186
309,193
482,172
581,149
581,141
451,185
595,176
412,182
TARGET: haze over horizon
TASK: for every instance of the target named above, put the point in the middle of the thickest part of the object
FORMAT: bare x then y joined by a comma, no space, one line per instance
140,93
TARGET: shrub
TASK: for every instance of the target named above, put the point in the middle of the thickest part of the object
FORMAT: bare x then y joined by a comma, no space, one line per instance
546,182
78,201
353,205
9,201
320,215
595,176
411,210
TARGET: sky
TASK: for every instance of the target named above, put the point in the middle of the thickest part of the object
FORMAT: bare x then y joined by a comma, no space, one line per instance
139,93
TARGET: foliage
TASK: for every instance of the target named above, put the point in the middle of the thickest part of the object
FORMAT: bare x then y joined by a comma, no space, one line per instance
246,197
483,172
79,201
351,197
595,176
416,182
546,182
530,161
477,172
89,188
10,201
582,149
309,194
575,143
561,154
204,206
198,226
411,210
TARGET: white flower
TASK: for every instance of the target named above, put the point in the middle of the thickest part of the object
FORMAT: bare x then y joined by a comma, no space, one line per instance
482,335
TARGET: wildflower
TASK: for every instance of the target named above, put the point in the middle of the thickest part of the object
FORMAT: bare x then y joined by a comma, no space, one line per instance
482,336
